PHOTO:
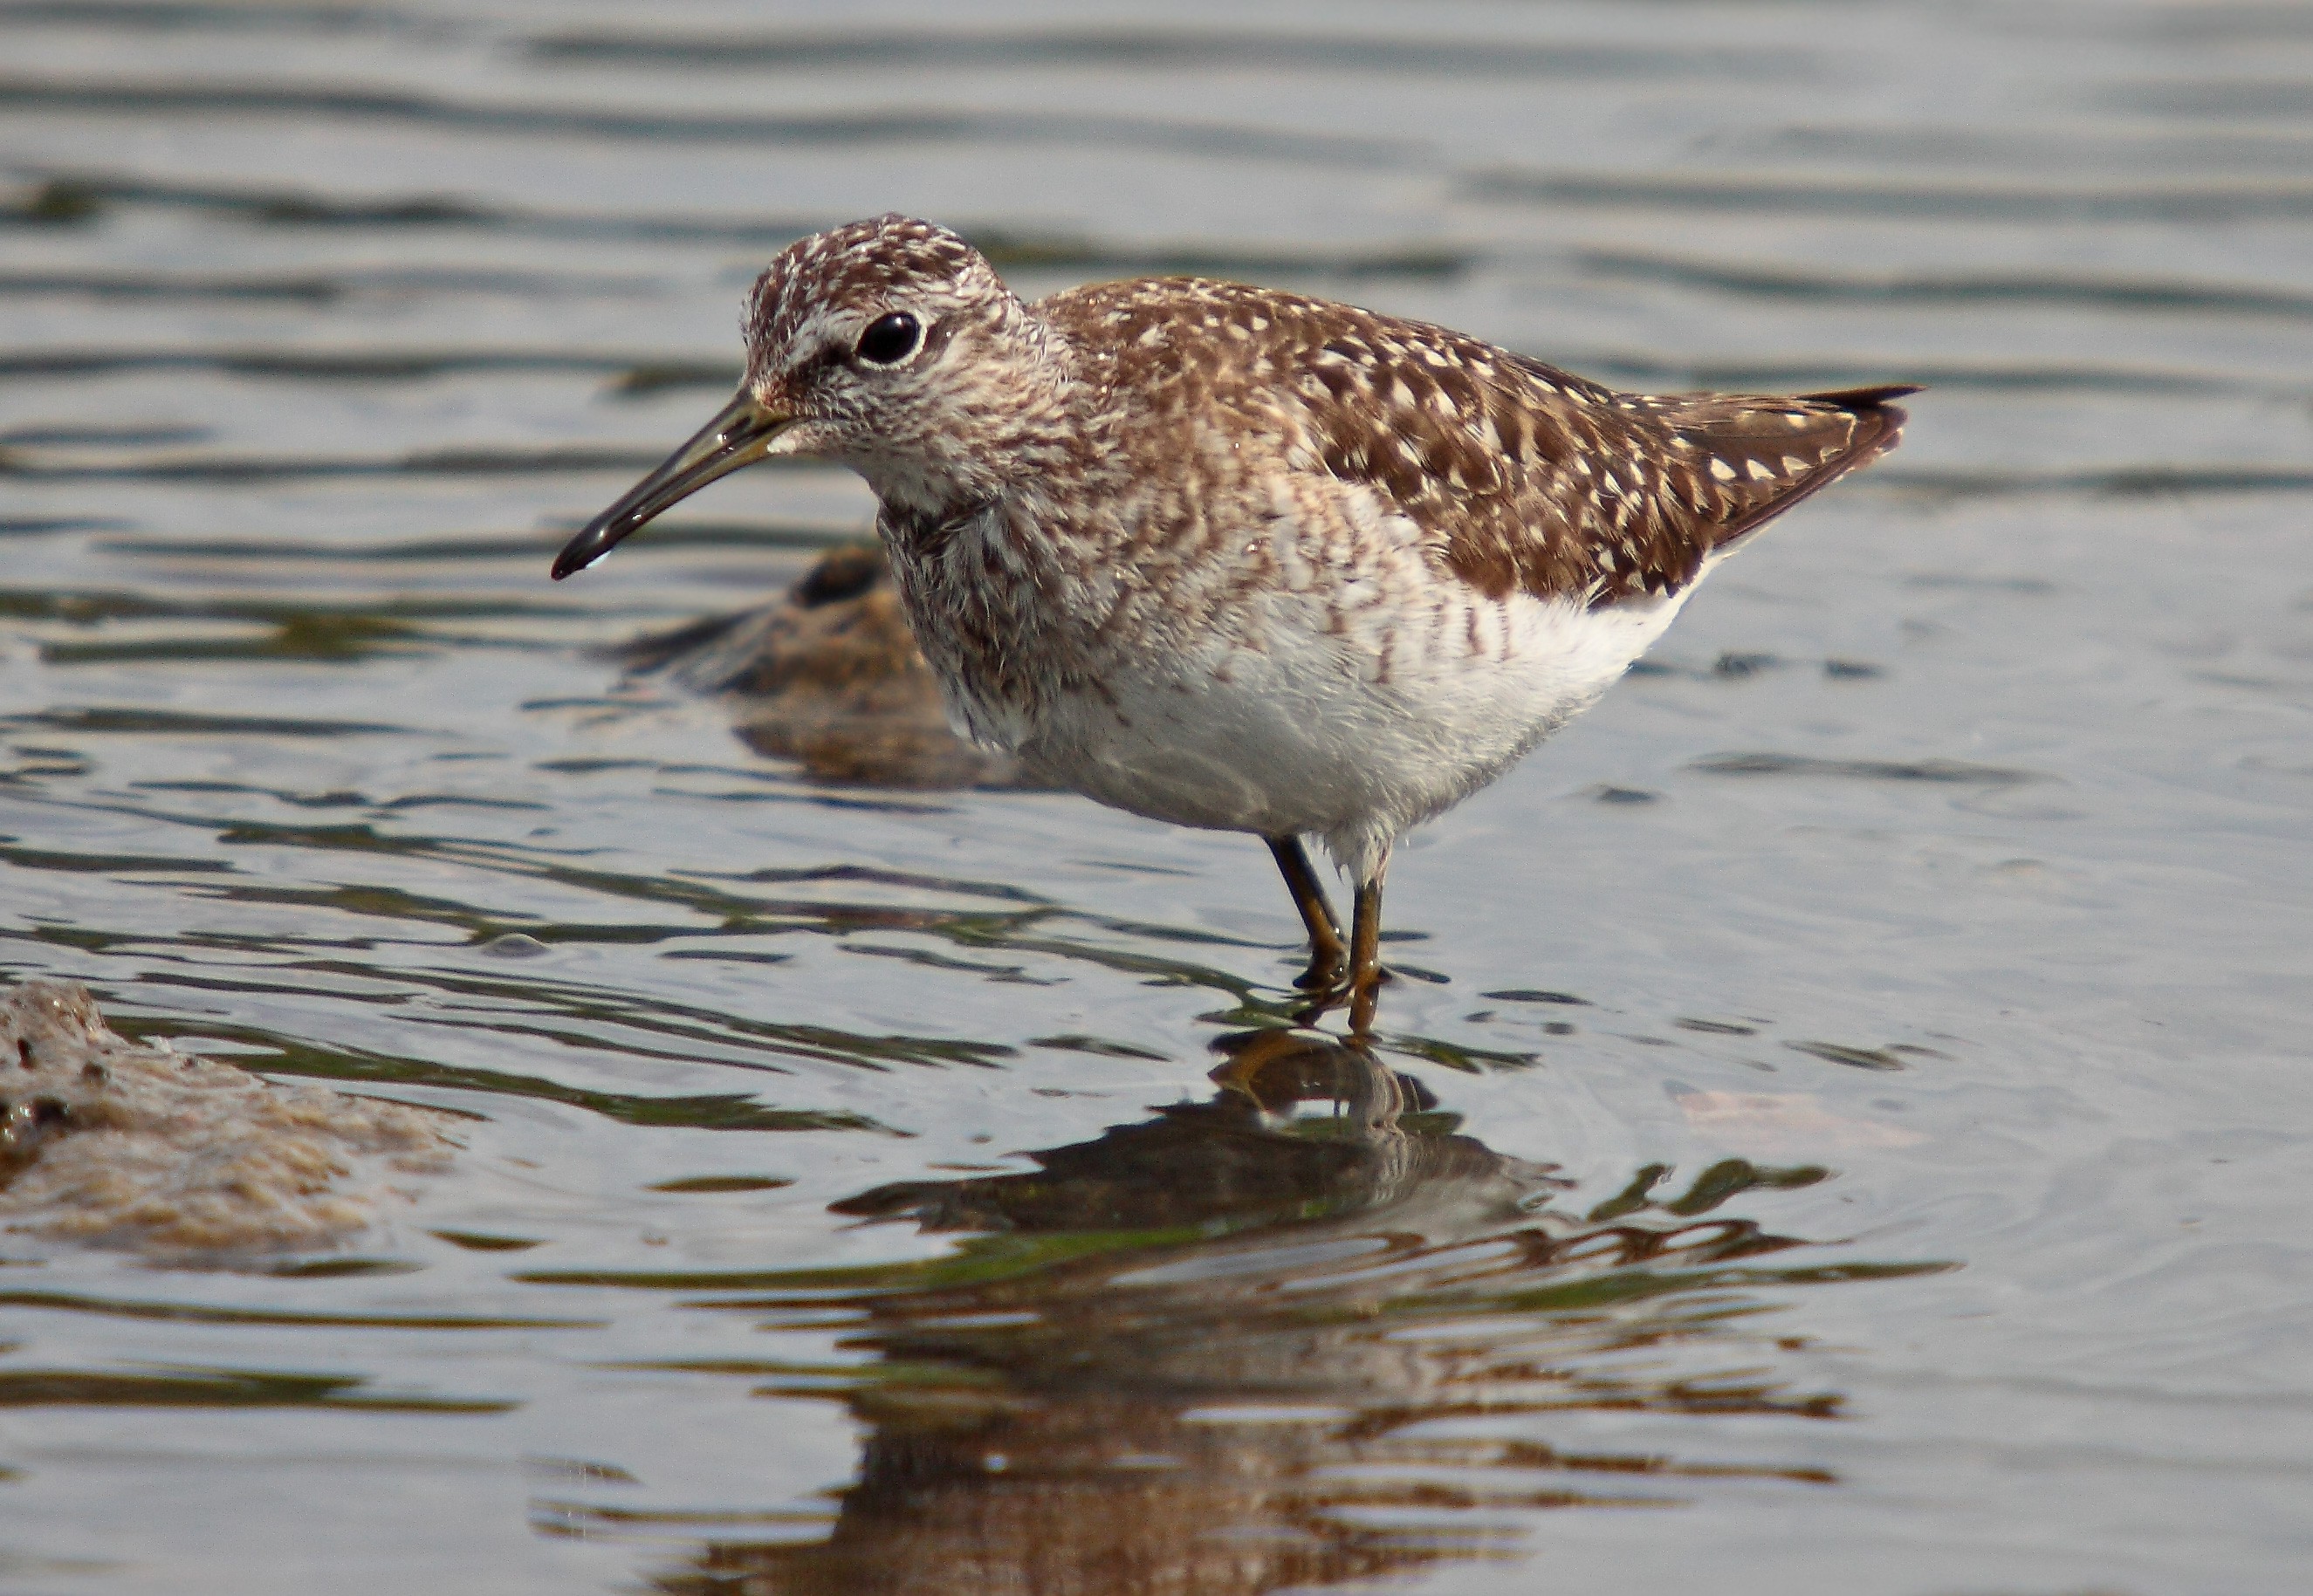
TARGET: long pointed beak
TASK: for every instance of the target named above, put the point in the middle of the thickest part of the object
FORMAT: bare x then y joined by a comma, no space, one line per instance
740,436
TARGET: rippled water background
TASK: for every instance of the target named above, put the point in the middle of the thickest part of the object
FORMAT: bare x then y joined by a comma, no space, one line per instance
1866,1059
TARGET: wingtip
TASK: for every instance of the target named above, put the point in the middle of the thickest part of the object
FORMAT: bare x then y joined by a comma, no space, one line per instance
1880,420
1867,399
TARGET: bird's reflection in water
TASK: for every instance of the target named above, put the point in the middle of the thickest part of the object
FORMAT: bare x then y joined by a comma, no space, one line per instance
1300,1334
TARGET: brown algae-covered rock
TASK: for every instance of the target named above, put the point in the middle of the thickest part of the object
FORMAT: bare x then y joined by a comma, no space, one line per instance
830,677
124,1145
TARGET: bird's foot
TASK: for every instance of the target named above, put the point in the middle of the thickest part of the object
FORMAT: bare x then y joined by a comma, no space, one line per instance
1365,993
1360,992
1326,972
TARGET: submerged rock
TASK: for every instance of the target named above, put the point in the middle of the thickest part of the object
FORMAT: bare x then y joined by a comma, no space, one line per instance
124,1145
830,676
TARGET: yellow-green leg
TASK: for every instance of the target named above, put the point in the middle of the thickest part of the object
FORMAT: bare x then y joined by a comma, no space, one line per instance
1328,955
1365,955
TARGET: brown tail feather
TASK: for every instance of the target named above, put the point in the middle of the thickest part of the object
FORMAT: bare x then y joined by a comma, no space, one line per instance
1877,425
1869,406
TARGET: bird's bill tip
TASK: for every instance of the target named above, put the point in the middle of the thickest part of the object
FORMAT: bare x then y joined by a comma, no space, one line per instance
739,436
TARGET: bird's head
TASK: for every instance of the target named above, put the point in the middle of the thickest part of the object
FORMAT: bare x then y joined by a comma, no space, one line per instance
889,345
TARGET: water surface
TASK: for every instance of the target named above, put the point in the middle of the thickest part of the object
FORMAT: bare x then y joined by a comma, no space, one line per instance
1836,1122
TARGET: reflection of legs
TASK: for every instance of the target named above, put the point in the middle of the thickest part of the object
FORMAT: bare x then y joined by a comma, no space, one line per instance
1271,1070
1365,953
1328,958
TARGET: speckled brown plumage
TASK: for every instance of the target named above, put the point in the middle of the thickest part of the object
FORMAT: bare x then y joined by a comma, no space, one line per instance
1239,558
1520,475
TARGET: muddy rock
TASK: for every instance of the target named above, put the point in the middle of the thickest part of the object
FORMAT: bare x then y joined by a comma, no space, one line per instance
138,1146
830,677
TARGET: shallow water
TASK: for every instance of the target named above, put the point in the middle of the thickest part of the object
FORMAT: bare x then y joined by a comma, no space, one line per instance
1836,1124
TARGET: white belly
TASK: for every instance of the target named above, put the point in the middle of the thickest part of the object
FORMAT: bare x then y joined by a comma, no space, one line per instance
1327,676
1292,729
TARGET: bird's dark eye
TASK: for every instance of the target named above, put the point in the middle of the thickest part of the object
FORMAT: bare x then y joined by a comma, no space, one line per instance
890,338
